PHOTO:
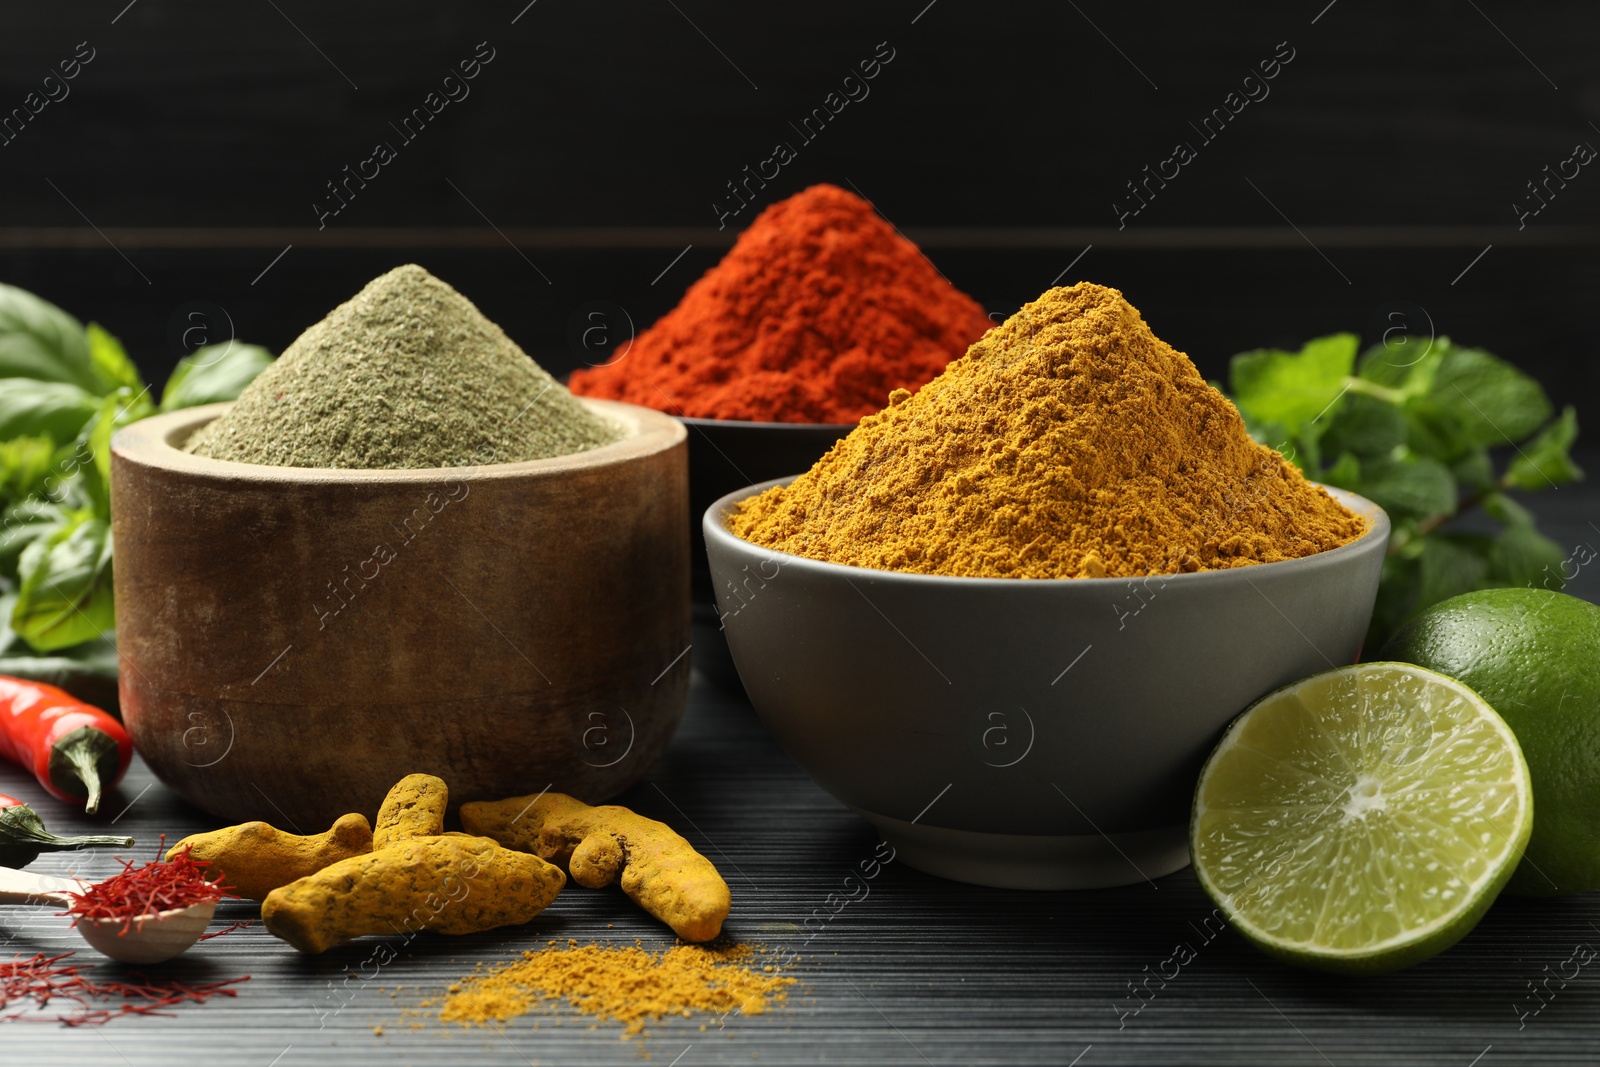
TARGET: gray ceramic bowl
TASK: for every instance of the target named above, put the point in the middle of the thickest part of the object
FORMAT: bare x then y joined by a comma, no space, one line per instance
1027,734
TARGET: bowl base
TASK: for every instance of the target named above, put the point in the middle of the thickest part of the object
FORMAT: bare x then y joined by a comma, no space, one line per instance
1029,861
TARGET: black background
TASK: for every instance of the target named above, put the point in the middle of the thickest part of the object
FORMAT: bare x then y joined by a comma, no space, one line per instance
598,138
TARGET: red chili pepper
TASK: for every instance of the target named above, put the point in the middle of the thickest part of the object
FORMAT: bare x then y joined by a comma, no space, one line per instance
73,749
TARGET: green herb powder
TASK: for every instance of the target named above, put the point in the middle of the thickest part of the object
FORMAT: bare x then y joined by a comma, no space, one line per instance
407,374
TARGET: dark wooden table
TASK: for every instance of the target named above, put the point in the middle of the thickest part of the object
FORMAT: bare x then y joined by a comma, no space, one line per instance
920,971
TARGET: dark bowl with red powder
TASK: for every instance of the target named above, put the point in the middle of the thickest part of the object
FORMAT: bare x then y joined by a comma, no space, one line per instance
819,312
724,456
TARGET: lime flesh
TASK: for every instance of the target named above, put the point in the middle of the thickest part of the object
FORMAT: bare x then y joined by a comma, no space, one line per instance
1361,820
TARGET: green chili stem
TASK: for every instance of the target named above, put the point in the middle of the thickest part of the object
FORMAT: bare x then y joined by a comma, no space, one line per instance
20,830
84,759
85,764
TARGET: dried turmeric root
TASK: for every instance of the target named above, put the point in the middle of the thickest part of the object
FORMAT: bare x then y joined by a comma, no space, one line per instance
256,858
660,871
414,808
416,877
452,884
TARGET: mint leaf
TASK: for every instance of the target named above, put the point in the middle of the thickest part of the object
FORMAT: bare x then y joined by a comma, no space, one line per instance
38,340
1303,451
1521,555
1364,425
1435,429
1398,586
1406,365
1345,473
65,594
1545,461
1474,471
1291,390
110,361
1493,402
1451,564
213,374
1502,508
1412,486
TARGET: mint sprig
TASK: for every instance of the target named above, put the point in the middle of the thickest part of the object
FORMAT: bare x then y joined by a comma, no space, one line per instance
1431,431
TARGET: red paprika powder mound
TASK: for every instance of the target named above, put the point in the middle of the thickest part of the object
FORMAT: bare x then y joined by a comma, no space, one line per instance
818,312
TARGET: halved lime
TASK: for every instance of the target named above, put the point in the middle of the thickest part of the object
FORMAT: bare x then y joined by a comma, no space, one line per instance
1361,820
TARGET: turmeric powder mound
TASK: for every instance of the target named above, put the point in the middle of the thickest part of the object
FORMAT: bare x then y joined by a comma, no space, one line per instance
628,984
1069,442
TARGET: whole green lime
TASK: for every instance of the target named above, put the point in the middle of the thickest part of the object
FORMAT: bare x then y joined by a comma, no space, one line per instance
1534,655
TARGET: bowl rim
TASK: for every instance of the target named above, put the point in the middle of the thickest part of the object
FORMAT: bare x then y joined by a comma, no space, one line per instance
154,442
743,424
1377,534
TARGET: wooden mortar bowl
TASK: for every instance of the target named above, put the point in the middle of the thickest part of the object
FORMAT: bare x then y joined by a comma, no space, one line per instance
296,640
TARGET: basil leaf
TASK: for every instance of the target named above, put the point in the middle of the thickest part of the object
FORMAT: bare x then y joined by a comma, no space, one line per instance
39,340
1493,402
1545,461
213,374
1293,389
57,410
1414,486
115,412
110,361
87,671
65,596
8,636
25,463
21,525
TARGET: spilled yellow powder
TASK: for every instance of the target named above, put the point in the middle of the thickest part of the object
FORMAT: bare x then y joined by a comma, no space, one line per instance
628,984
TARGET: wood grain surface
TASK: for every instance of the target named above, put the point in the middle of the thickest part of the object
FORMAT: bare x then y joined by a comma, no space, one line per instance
920,971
